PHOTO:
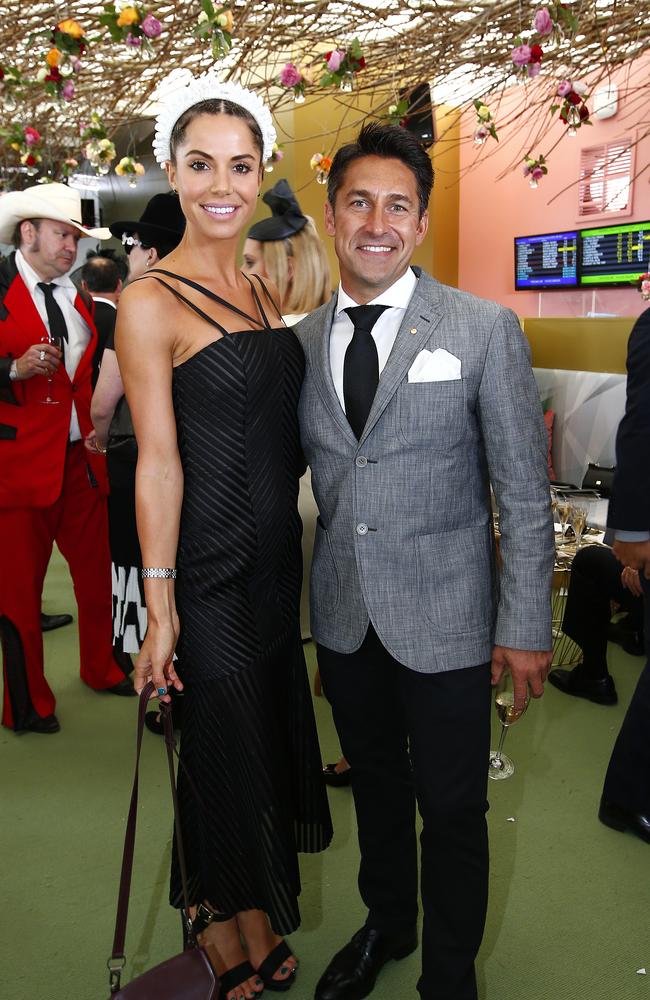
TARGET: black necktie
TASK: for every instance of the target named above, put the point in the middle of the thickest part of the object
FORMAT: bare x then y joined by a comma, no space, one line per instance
58,329
361,366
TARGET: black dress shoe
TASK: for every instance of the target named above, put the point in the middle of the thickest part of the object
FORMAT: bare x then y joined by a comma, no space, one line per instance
43,724
621,819
352,973
336,779
124,688
581,684
634,643
50,622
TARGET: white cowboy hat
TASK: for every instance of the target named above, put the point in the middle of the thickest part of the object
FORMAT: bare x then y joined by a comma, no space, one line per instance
44,201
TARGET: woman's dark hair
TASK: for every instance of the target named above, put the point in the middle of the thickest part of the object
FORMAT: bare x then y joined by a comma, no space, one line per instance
214,107
390,142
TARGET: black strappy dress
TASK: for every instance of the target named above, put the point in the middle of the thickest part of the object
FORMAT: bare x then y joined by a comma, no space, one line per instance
249,742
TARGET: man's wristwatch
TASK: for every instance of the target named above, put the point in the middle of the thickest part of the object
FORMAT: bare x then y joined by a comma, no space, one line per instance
13,371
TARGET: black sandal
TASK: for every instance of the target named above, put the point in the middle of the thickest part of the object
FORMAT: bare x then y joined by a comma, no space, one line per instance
270,966
236,977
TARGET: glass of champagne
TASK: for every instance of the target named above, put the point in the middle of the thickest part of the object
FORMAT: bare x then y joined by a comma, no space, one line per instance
578,517
56,342
502,766
563,511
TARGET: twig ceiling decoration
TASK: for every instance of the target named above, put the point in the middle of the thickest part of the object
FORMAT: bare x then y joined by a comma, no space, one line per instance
466,48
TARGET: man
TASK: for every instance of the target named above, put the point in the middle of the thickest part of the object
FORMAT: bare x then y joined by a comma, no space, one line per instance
51,487
415,397
101,278
625,803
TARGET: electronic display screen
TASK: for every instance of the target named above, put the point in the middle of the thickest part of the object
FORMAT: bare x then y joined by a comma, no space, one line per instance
547,261
614,255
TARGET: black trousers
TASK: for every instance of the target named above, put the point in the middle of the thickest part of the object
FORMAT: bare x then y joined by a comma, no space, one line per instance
627,782
595,581
413,736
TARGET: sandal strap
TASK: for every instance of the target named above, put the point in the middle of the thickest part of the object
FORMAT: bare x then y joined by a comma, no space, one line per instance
274,960
205,916
236,976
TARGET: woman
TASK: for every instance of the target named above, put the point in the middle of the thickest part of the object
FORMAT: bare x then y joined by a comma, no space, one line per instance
287,249
213,378
146,242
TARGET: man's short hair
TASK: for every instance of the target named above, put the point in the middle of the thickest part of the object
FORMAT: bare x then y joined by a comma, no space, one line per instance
17,238
101,273
390,142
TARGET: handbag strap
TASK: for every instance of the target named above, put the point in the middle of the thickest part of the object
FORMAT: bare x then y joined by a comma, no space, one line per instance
117,961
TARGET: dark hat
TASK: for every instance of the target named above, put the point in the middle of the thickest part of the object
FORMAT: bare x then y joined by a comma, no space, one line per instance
162,219
287,219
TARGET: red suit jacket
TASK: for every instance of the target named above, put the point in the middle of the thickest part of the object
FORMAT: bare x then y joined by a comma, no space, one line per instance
33,436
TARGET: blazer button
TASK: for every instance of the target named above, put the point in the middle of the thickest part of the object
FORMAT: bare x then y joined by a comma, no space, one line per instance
361,461
362,529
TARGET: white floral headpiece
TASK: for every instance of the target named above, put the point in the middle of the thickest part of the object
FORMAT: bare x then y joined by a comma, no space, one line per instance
180,91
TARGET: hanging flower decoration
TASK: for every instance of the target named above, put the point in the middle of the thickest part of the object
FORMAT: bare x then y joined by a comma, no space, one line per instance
341,66
216,25
275,157
291,78
484,124
573,109
131,168
68,167
99,149
27,143
131,24
535,169
644,286
398,113
321,164
527,59
10,82
63,59
555,22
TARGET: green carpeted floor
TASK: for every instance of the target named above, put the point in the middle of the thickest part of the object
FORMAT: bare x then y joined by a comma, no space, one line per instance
570,899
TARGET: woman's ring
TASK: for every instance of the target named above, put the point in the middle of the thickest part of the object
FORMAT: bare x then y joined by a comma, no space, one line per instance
41,355
162,691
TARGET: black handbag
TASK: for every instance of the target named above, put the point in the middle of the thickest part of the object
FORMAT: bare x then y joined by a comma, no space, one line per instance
599,478
190,975
121,443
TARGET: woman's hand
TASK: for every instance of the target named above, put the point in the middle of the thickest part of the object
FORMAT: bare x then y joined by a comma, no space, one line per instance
155,662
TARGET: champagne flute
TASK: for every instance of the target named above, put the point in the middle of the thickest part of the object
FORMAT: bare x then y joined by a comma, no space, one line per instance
500,765
578,523
56,342
563,511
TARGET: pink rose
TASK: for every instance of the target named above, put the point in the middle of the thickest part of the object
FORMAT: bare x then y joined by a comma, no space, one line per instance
32,137
521,55
335,60
534,68
67,93
75,63
537,172
151,26
133,40
564,88
542,22
290,75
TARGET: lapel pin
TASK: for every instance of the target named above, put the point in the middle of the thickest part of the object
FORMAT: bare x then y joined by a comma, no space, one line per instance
414,329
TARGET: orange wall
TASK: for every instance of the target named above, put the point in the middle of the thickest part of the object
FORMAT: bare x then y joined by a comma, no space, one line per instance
493,212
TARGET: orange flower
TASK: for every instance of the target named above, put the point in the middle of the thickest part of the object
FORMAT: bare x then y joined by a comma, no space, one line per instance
226,21
127,17
325,164
71,27
53,58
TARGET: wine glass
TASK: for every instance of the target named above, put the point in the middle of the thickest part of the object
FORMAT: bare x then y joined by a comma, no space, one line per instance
56,342
578,518
502,766
563,511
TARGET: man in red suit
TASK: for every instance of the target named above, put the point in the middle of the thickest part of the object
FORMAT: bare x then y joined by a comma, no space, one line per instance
52,478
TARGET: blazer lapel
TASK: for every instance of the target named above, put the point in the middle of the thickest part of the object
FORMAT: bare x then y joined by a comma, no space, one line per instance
320,343
87,357
20,306
422,317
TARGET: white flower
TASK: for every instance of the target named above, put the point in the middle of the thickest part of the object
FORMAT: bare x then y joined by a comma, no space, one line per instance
203,17
42,73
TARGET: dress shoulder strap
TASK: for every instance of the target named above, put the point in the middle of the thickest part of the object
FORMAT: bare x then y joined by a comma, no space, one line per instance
204,291
187,302
269,297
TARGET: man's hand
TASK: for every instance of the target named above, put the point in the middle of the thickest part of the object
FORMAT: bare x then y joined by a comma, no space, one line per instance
92,443
630,580
39,359
634,554
528,668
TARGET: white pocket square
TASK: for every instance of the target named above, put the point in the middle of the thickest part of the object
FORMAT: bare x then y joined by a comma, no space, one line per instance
436,366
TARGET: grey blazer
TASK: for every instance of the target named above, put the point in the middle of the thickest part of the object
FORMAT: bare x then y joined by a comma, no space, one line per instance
404,537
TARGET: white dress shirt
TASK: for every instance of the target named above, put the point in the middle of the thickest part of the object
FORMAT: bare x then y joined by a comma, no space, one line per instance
384,332
109,302
79,334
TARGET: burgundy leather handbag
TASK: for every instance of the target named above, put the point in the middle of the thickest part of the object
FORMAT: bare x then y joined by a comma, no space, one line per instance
188,976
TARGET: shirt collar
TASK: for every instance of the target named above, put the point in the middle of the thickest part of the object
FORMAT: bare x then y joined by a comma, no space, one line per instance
31,279
397,296
109,302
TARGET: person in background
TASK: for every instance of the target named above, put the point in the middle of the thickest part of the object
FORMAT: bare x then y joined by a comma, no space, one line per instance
101,278
287,249
146,242
52,488
625,802
596,580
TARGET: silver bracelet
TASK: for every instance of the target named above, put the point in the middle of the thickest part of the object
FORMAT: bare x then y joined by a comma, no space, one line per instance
154,573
